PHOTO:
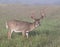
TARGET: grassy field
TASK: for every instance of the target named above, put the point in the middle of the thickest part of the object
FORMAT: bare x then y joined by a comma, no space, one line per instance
46,35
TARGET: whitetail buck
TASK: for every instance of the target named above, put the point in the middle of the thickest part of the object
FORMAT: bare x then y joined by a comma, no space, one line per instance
23,26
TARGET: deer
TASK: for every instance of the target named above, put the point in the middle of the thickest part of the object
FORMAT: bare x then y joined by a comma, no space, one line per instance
23,26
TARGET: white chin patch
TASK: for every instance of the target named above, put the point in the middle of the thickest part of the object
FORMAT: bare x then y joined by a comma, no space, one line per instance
37,25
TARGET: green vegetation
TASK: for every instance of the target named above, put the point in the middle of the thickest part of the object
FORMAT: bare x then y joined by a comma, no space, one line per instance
46,35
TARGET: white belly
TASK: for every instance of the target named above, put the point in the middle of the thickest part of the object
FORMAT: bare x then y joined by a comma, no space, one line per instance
17,31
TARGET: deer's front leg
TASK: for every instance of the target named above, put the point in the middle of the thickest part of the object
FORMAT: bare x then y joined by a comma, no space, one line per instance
27,34
24,34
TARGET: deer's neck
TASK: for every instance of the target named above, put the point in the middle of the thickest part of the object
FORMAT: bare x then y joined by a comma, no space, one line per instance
33,26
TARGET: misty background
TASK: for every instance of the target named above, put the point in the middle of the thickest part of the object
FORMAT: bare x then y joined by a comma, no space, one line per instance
31,2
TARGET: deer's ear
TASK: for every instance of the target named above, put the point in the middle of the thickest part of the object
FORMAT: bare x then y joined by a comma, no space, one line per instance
32,17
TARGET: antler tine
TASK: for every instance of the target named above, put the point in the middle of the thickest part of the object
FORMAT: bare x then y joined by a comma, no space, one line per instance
42,13
33,15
